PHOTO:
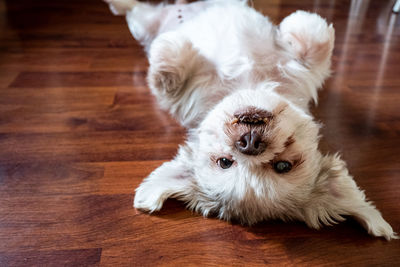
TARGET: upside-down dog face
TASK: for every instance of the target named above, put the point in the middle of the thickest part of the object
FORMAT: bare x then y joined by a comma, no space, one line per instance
255,150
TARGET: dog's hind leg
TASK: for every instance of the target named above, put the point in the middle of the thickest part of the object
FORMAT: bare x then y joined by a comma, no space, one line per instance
144,20
147,21
121,7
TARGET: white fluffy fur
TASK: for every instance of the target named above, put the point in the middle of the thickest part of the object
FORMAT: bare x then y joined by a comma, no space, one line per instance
208,60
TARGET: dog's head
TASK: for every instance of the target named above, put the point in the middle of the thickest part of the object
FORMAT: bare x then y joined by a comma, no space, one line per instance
254,149
257,131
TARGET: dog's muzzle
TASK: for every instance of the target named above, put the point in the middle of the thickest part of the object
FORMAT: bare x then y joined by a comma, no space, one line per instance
251,142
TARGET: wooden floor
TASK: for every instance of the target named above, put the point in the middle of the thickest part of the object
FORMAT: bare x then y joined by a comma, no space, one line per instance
79,130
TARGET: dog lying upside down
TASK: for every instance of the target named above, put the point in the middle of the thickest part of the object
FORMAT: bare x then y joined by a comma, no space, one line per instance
242,87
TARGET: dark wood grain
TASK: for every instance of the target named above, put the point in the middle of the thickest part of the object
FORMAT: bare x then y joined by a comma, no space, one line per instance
79,130
78,79
90,257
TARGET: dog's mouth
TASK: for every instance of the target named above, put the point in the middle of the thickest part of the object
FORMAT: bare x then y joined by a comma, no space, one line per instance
252,116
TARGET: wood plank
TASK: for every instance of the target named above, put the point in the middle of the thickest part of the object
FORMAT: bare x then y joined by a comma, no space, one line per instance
74,178
110,118
79,130
91,257
89,146
74,60
73,79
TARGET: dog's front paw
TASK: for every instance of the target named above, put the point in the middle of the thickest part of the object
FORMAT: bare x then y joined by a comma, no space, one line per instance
172,59
377,226
308,36
148,197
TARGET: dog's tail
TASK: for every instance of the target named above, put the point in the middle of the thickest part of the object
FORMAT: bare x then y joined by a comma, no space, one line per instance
121,7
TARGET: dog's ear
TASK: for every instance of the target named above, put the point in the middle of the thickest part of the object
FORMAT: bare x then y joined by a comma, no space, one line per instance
173,179
335,193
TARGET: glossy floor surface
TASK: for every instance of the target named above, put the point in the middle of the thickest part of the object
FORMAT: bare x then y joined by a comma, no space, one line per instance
79,130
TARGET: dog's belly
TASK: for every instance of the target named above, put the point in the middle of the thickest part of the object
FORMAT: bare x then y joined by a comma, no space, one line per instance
230,36
177,15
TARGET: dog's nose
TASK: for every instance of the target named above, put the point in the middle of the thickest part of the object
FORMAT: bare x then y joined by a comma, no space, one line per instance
251,143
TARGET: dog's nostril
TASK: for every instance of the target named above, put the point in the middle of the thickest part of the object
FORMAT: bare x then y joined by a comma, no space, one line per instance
243,142
251,143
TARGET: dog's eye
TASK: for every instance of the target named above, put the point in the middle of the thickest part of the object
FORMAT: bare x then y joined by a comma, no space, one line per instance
224,163
282,166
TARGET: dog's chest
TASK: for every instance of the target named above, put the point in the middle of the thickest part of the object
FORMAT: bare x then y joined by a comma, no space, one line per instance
235,38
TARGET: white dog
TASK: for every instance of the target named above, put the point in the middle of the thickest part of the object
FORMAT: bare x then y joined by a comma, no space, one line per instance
242,86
